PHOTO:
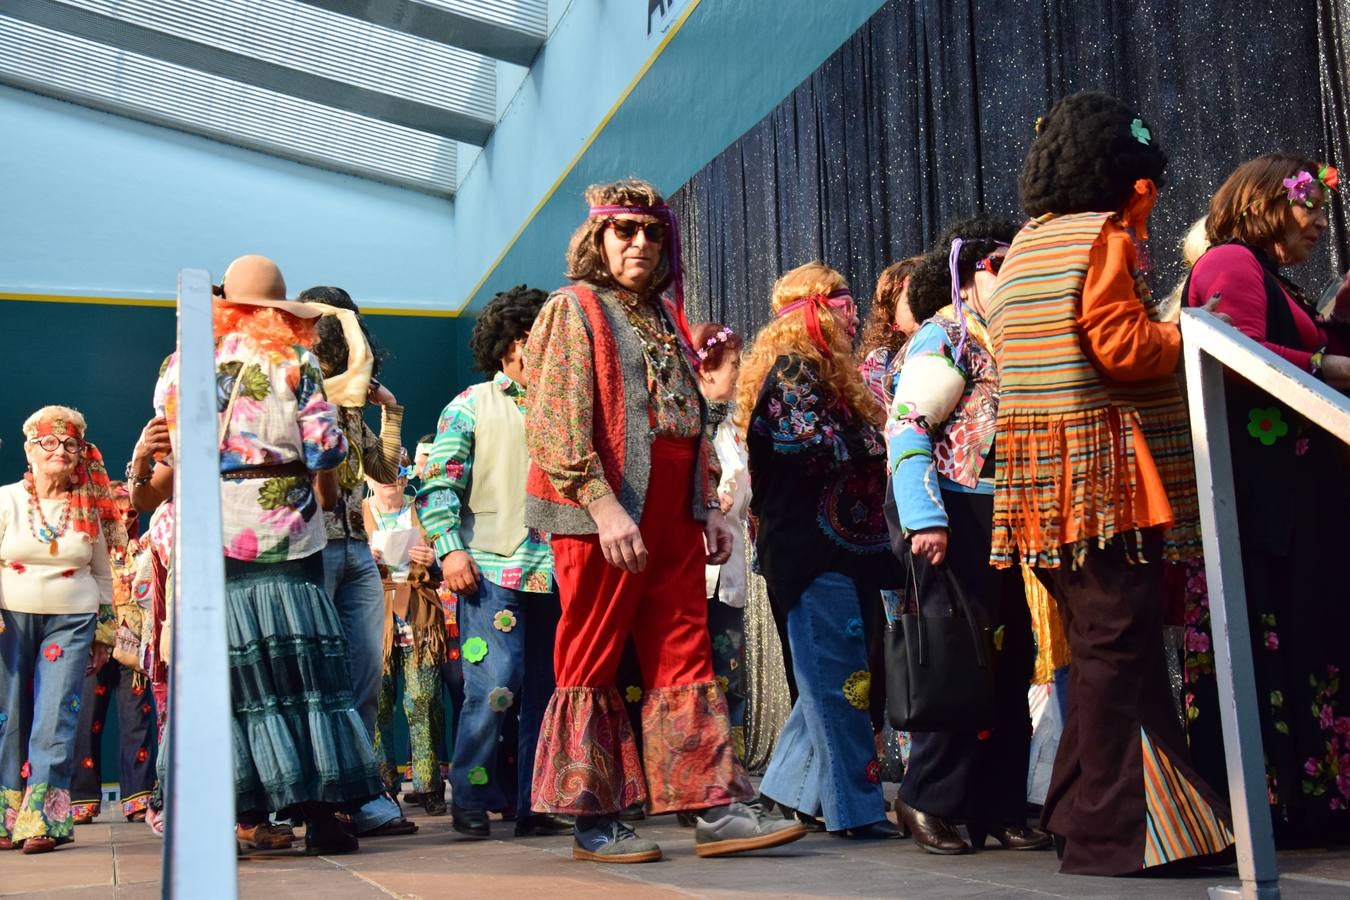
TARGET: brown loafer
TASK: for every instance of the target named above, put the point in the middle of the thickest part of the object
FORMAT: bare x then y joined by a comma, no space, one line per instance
932,833
1012,837
39,845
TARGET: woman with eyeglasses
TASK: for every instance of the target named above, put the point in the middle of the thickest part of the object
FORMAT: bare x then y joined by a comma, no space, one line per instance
57,526
941,444
1291,492
817,467
623,478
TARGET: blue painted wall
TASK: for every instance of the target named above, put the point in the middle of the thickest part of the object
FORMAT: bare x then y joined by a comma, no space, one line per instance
96,204
725,68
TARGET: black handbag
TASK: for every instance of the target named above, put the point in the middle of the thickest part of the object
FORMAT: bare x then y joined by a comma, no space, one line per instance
939,669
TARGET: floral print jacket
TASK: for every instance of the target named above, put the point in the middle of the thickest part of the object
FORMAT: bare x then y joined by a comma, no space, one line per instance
280,416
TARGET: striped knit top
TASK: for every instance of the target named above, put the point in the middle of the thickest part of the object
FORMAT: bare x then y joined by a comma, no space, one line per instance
1093,436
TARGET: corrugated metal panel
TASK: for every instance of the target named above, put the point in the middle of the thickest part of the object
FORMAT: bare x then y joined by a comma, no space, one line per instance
83,71
310,39
524,15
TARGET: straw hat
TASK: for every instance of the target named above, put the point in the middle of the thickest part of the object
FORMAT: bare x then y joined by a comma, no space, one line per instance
256,281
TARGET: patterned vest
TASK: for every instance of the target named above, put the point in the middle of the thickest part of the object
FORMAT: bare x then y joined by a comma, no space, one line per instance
1059,421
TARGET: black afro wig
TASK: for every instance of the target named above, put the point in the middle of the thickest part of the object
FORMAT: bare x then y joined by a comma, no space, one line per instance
1088,153
930,287
507,317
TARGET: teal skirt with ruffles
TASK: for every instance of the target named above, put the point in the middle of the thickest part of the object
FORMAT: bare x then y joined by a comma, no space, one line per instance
297,735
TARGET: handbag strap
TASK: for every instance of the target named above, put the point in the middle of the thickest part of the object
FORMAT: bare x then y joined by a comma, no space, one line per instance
981,656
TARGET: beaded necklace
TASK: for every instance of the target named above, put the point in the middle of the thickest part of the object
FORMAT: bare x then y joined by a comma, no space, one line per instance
37,521
660,350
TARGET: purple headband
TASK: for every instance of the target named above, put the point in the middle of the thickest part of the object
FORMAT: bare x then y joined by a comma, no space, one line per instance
665,214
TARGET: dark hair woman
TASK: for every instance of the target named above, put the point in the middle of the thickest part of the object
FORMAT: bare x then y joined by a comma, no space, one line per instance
1291,496
940,434
622,478
1094,484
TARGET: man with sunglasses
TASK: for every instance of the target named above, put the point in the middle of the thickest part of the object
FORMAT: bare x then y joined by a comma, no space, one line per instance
472,506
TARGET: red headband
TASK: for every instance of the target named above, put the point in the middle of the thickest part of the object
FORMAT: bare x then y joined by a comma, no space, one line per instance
836,300
57,426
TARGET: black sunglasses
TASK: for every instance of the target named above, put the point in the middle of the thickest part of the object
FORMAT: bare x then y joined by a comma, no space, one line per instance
627,229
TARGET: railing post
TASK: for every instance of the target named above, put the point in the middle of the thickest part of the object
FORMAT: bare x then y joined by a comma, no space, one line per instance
1238,710
199,854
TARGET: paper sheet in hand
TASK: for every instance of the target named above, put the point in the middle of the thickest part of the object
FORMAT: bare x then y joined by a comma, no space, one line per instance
394,545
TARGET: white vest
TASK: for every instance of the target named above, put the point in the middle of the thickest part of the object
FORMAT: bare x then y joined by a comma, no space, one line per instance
494,518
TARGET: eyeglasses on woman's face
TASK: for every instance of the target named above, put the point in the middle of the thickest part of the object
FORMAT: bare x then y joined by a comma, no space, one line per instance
50,442
627,229
990,264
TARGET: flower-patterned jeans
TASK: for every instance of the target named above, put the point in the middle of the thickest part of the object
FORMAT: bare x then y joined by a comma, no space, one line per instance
42,663
825,761
506,648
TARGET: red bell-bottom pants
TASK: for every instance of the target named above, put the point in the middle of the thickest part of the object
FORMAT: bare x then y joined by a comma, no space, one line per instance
587,761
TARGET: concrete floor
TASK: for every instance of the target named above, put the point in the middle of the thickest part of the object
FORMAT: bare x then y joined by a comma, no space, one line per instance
115,859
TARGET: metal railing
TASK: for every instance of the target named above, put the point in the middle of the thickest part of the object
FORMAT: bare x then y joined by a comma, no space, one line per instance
1210,347
199,852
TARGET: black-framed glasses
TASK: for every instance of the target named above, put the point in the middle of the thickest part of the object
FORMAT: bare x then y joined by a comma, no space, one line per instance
49,443
990,264
627,229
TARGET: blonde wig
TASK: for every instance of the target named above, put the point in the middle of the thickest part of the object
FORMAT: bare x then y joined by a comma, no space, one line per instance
787,336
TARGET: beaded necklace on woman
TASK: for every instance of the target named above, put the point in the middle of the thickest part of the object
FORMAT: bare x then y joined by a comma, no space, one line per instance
42,531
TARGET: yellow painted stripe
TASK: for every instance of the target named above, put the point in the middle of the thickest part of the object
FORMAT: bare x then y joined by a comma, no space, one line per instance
99,301
170,304
553,189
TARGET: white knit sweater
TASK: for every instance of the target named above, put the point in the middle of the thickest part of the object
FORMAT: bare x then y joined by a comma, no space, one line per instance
76,580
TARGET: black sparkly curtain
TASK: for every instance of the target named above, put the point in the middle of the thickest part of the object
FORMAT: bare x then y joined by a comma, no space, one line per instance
924,115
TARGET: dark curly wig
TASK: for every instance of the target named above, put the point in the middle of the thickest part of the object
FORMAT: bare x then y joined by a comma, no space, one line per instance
1088,153
930,287
507,317
332,346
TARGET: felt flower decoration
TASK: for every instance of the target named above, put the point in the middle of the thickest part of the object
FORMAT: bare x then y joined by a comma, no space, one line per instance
500,699
504,621
142,755
854,627
53,652
632,693
101,690
857,689
1267,424
1329,177
26,770
145,709
874,771
18,567
475,649
1140,132
478,775
87,762
453,653
75,703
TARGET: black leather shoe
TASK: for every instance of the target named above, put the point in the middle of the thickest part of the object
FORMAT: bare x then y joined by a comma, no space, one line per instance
877,831
1011,837
932,833
470,822
544,825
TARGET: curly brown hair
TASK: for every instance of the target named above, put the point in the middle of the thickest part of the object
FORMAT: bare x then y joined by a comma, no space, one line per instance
890,287
1252,204
586,250
716,351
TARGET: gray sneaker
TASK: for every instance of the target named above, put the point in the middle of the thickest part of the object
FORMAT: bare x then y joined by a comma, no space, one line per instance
746,826
611,841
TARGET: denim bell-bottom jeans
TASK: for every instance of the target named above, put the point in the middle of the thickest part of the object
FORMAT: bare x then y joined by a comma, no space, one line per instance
825,761
42,664
509,673
353,582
